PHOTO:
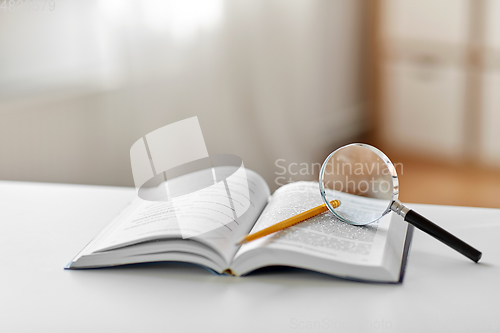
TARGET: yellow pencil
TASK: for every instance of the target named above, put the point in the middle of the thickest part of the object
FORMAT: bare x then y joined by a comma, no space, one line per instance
288,222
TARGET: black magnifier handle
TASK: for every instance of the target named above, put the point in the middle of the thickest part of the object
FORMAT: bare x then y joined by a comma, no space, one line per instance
437,232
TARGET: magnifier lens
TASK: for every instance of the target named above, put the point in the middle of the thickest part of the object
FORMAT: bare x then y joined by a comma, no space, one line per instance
362,179
365,182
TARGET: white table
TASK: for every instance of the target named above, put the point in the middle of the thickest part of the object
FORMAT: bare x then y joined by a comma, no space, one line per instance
44,225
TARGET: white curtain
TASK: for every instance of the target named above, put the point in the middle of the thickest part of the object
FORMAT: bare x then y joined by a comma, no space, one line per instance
269,80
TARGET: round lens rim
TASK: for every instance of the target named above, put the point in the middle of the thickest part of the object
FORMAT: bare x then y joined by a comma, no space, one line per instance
388,163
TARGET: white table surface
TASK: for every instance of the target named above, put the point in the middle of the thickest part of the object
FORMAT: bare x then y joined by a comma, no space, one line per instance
43,226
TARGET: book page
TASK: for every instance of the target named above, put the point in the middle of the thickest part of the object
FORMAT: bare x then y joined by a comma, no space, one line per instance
323,235
208,216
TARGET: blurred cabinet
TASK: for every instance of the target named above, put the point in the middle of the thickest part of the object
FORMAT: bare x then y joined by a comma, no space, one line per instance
424,109
490,134
441,79
443,21
425,46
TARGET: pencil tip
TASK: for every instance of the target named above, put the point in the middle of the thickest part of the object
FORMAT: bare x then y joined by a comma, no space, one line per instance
242,241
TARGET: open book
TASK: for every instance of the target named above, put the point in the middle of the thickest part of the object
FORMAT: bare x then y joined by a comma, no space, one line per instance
149,231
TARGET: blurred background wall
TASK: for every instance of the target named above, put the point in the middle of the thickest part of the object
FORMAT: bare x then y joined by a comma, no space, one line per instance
270,80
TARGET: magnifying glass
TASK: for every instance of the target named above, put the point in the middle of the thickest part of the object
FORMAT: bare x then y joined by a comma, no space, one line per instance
365,181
